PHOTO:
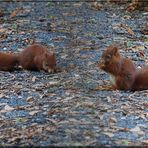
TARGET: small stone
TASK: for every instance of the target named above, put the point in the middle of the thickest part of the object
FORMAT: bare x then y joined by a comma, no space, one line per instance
5,48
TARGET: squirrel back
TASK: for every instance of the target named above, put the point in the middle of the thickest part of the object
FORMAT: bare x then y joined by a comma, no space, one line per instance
37,57
8,61
141,80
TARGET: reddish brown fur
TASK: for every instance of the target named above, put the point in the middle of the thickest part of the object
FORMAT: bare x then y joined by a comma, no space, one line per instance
8,61
141,80
138,4
127,77
37,57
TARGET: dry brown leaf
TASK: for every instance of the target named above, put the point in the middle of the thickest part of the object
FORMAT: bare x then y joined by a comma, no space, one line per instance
49,94
126,16
145,104
14,13
49,129
128,29
29,99
96,5
140,47
144,31
124,129
13,139
85,48
145,142
112,120
105,87
2,30
143,116
131,7
141,53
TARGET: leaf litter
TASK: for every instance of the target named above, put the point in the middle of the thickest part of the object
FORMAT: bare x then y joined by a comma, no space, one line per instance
70,108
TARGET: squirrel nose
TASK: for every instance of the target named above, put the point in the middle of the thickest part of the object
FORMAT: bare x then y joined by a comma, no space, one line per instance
51,70
101,62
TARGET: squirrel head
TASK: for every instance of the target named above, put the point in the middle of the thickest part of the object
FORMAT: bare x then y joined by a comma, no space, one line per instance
111,60
49,62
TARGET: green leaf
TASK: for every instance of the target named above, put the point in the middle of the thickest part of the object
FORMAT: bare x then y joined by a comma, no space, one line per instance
125,142
129,43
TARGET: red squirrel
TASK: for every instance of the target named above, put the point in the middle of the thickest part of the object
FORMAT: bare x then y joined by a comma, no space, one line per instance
126,75
138,4
37,57
8,61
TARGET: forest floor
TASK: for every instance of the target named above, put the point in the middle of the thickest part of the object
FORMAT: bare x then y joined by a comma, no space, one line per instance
70,108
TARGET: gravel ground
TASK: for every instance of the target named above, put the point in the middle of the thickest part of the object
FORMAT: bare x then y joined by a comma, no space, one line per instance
69,108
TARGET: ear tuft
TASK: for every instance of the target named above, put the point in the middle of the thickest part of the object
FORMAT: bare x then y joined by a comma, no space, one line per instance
115,50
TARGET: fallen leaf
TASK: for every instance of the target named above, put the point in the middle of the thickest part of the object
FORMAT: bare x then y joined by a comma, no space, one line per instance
2,30
18,120
14,13
145,142
49,129
126,16
141,53
145,104
1,95
143,116
29,99
13,139
125,142
96,6
8,108
33,78
144,31
137,130
139,48
109,99
53,82
128,29
112,120
124,129
131,7
108,134
104,87
85,48
33,112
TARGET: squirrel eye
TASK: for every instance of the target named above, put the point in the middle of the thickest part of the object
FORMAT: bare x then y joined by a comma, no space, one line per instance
109,56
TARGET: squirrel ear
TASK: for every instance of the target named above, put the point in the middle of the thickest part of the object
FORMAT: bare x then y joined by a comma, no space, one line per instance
115,50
